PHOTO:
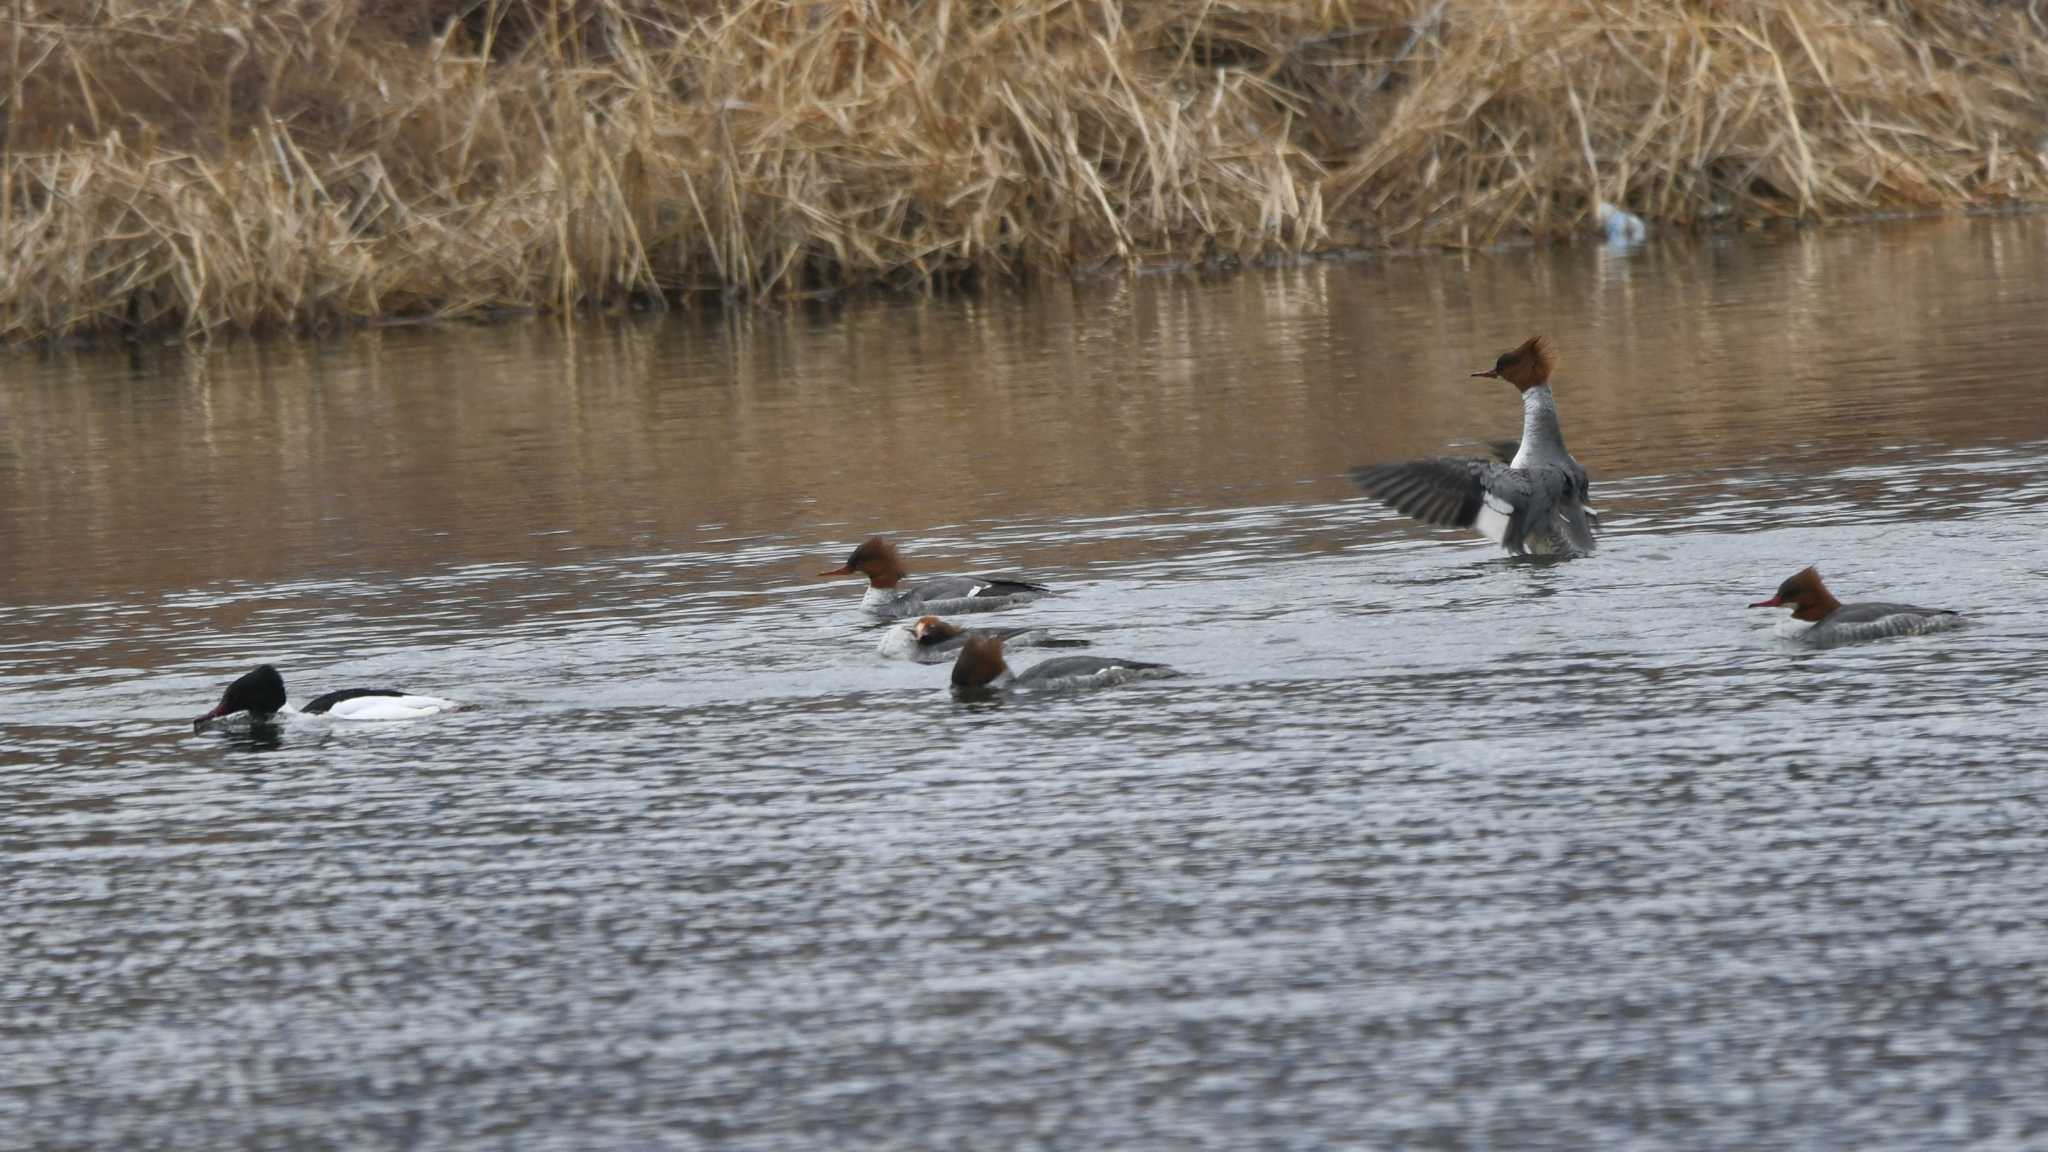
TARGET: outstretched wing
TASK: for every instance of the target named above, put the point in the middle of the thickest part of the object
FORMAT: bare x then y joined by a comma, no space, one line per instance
1506,505
1440,490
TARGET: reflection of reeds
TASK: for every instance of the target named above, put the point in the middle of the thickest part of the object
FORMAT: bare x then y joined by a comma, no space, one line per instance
206,164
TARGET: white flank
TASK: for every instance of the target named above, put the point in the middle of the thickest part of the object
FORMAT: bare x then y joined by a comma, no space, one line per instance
1492,521
389,707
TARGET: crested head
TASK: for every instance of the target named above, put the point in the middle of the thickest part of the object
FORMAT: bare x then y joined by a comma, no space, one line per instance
877,559
1527,365
932,630
980,662
1809,598
259,692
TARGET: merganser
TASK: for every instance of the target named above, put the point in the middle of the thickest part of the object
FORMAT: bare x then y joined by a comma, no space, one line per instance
980,670
1534,503
260,693
891,598
1837,623
930,640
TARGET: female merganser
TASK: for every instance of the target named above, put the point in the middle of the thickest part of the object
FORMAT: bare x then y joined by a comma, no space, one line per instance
890,597
1535,503
1837,623
980,670
260,693
930,640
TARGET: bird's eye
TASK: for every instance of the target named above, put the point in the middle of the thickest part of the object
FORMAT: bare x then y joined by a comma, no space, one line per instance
1501,365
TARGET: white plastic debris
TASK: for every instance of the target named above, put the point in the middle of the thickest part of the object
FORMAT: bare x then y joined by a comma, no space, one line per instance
1623,227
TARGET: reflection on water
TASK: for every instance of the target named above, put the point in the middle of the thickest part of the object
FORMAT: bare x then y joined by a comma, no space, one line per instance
1430,848
406,450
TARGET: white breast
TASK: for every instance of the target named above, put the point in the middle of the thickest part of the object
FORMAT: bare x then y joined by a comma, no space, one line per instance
885,602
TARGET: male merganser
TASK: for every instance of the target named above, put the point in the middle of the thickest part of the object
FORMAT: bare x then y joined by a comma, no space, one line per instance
930,640
1837,623
980,669
890,597
260,693
1535,503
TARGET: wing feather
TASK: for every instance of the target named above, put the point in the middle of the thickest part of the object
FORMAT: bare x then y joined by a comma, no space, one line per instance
1518,508
1439,490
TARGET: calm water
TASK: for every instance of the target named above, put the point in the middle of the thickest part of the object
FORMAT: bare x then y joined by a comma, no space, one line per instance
1431,849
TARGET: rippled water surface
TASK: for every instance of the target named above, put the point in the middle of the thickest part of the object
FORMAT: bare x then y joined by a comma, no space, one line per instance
1430,848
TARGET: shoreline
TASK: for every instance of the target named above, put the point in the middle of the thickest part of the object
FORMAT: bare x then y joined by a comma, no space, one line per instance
201,169
1228,266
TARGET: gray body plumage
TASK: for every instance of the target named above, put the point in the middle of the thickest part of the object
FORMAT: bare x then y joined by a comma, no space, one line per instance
1855,623
901,643
1534,504
1074,667
949,595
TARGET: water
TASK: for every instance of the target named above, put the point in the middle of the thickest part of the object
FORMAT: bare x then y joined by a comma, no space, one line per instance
1430,848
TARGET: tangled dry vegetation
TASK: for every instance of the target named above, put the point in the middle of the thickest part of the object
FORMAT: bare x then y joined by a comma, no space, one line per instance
201,165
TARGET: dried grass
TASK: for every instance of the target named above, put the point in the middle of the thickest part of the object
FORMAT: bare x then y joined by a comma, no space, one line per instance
201,165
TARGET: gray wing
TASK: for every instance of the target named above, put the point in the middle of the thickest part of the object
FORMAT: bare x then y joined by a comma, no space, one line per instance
1508,505
1872,613
1557,505
1440,490
1061,667
968,587
1577,520
1032,636
1005,586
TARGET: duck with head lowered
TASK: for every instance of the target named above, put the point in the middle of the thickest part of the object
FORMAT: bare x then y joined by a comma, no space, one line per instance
257,697
892,595
1534,504
930,640
981,671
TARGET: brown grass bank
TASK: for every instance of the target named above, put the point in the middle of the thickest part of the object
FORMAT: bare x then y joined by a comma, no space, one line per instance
219,164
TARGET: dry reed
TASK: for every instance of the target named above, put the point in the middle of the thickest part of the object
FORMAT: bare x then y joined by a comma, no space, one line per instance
201,165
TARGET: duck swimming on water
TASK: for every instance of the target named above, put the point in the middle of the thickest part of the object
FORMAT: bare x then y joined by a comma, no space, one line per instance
980,670
892,596
260,694
1836,623
930,640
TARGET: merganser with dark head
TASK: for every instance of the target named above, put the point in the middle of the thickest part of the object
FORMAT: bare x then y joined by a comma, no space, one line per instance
930,640
892,597
1837,623
1533,504
260,694
980,670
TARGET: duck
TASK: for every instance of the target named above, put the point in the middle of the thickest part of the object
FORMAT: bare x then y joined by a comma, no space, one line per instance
890,596
1534,504
930,640
260,694
1835,623
981,670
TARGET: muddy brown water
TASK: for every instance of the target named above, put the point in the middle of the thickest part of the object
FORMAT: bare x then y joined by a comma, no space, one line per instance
1430,848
